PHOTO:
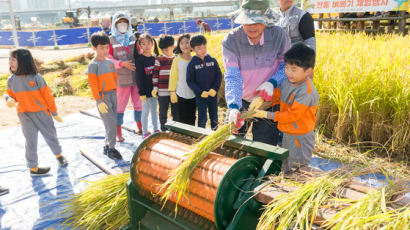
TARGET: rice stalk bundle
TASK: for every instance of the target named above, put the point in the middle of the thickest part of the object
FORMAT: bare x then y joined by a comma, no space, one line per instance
102,205
372,211
297,209
180,178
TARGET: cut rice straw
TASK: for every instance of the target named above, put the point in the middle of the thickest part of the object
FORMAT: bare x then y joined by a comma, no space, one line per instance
297,209
373,212
102,205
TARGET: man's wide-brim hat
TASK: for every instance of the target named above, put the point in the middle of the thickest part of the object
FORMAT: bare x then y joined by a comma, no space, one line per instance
255,11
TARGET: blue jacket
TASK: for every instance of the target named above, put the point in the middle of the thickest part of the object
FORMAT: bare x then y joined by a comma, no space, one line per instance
203,75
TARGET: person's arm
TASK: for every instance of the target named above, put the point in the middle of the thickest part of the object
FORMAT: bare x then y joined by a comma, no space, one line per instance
233,77
93,81
117,63
218,79
191,80
277,78
173,76
307,30
47,95
139,77
10,91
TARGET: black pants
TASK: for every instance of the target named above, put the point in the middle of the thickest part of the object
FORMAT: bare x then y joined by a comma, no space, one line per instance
263,130
164,102
209,105
186,111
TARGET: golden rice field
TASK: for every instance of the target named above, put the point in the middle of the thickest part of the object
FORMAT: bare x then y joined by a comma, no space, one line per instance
363,82
364,87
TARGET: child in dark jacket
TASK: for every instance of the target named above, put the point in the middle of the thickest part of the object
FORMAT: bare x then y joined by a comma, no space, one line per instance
204,78
144,67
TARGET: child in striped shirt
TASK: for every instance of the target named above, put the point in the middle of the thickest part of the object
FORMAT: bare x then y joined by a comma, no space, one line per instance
160,79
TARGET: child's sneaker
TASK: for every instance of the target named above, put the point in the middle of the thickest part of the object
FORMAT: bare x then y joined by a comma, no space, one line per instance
112,153
157,131
62,161
146,135
41,171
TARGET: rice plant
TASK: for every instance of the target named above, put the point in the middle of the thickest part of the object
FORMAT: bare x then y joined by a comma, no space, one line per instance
102,205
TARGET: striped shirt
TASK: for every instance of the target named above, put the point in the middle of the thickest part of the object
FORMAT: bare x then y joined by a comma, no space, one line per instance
160,75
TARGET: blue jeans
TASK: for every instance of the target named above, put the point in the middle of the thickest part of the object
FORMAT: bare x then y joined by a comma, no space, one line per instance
150,105
209,104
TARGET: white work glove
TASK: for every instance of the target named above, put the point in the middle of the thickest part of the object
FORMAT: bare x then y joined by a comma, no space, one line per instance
234,115
266,91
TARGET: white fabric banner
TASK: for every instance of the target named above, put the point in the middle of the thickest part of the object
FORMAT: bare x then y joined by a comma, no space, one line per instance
335,6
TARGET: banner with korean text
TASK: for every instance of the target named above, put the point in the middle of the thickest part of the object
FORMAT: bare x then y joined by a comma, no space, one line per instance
342,6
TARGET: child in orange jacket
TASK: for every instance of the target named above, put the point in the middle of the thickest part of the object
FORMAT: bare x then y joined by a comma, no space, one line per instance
35,108
103,83
298,104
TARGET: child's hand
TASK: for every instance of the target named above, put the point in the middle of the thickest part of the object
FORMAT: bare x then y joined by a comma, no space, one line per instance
154,93
260,114
174,97
212,92
9,101
57,118
102,107
204,94
129,65
143,98
256,103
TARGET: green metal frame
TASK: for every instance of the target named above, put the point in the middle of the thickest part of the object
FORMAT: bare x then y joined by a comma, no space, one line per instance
254,147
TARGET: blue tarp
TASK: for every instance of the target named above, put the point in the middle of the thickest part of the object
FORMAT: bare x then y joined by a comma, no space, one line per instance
72,36
25,38
6,38
191,27
35,202
44,38
224,24
155,29
174,28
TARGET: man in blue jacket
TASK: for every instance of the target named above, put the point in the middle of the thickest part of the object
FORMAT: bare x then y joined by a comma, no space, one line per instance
204,78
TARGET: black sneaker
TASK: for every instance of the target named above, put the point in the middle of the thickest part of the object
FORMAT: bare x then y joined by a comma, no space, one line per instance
3,191
40,172
62,161
112,153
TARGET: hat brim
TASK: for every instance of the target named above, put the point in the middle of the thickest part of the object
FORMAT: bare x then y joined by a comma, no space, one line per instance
245,17
122,17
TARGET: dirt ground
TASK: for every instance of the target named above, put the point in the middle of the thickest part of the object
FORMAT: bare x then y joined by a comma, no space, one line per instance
65,105
45,54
